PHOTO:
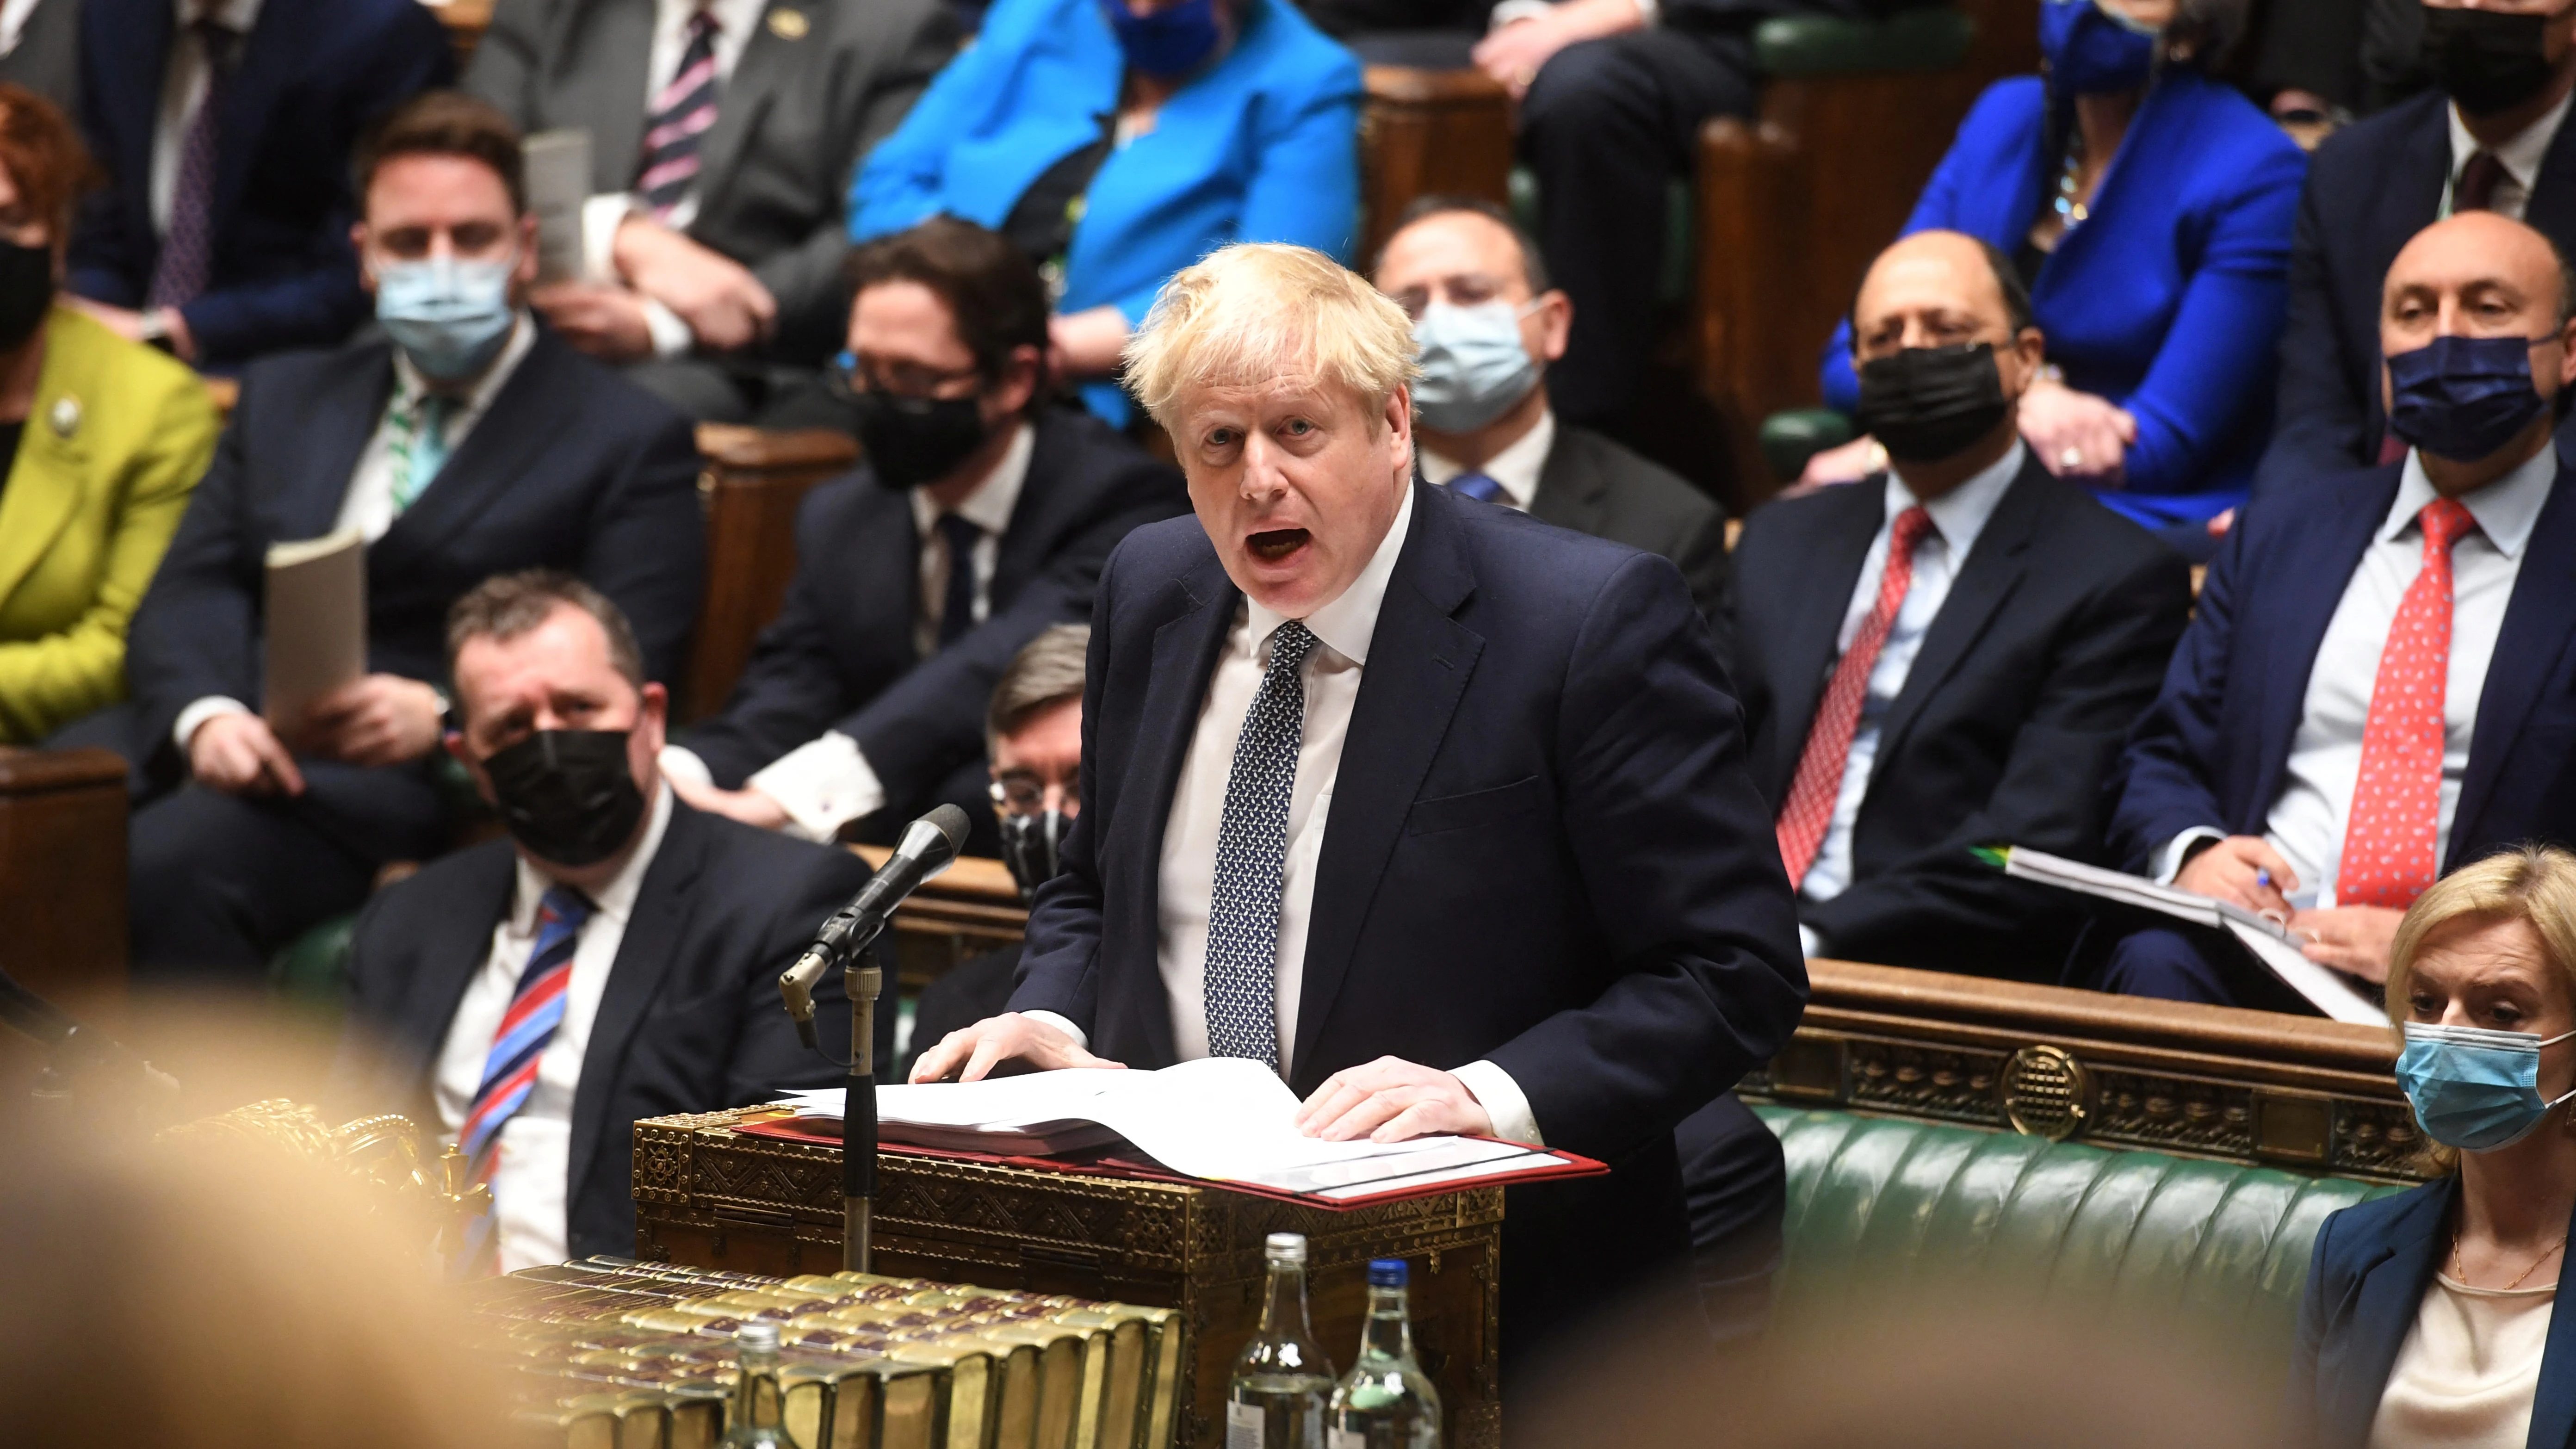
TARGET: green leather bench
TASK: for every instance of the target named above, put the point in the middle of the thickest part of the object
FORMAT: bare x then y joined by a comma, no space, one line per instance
1881,1208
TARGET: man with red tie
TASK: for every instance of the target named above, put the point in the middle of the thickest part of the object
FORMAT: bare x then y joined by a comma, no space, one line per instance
2379,684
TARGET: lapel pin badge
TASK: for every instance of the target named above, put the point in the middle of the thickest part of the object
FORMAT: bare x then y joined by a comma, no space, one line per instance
65,415
789,24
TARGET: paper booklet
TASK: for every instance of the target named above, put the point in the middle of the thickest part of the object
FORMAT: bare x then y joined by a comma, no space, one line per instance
317,624
2268,941
557,164
1224,1119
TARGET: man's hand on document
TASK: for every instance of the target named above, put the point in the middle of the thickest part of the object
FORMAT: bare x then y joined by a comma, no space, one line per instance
970,1052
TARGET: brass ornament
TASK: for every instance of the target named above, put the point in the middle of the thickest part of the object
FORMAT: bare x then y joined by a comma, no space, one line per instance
383,1151
789,24
2045,1092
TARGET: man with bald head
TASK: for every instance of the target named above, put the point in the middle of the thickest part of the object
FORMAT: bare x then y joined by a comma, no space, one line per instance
2379,685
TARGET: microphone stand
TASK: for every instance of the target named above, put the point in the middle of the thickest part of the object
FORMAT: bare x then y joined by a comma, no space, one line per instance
864,977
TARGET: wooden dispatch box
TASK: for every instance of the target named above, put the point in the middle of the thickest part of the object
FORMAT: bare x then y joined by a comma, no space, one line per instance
707,1196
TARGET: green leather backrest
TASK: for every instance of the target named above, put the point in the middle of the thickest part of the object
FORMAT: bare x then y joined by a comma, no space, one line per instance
1880,1207
1804,45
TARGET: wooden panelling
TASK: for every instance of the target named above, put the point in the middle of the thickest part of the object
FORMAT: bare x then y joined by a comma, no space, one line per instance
752,485
1425,132
62,890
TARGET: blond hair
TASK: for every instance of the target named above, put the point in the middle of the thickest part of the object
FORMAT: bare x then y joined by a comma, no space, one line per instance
2532,883
1261,310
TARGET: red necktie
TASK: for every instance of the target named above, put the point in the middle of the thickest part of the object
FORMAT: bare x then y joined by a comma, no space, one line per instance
2396,803
1819,781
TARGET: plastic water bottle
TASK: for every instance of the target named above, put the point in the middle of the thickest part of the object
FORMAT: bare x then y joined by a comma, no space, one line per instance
1282,1379
1385,1401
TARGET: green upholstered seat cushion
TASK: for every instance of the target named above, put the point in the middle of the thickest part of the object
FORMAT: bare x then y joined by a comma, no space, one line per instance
1792,436
1808,45
313,970
1880,1207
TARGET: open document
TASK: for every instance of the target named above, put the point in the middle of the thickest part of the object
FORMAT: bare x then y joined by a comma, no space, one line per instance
1224,1119
316,608
2268,941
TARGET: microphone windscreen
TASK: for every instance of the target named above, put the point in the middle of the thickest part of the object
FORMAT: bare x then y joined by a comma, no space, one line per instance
951,822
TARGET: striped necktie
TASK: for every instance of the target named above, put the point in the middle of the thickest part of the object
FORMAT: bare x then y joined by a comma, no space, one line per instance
419,446
683,112
519,1045
187,254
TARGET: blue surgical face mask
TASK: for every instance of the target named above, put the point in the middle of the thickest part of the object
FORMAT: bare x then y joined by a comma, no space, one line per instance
449,315
2092,50
1474,365
1169,42
2474,1089
2462,398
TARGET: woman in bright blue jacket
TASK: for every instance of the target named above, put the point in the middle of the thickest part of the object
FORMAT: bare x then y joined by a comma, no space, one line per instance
2150,208
1121,140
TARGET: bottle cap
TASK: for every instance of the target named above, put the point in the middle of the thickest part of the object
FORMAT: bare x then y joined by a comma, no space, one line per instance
1285,1247
757,1337
1387,1272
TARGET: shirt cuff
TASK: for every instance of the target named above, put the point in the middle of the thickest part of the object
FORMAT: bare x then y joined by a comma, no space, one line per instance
200,712
1503,1101
1808,945
1080,1037
2169,860
671,336
682,764
599,218
1511,10
823,785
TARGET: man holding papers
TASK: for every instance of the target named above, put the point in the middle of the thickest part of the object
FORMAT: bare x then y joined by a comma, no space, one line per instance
1440,812
2379,684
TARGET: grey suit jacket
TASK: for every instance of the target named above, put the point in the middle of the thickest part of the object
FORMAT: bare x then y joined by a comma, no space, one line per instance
818,84
1593,485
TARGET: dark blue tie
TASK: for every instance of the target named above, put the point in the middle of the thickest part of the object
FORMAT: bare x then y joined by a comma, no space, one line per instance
1478,486
1241,992
957,615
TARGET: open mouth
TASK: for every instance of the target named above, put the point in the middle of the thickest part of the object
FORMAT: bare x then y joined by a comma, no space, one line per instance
1277,544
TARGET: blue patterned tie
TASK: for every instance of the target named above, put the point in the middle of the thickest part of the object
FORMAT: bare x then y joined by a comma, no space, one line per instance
1478,486
957,615
518,1047
1252,856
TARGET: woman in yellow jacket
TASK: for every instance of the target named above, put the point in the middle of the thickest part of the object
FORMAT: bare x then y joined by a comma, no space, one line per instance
101,440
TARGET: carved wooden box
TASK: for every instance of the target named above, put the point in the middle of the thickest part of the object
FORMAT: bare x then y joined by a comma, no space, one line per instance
708,1196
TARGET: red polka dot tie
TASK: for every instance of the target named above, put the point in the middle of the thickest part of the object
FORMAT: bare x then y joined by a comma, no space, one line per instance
1819,781
2388,856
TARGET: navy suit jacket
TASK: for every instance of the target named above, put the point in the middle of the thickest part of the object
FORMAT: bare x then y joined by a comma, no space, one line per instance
2371,187
570,468
2212,750
2366,1279
689,1022
1545,851
307,82
2052,639
840,654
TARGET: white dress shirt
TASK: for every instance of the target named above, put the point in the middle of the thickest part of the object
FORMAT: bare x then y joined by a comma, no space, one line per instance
368,506
2307,821
735,20
1957,518
2521,157
826,782
183,90
1515,468
530,1175
1343,629
14,15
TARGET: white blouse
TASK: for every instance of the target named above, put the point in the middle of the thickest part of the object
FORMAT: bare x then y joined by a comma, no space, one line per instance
2465,1377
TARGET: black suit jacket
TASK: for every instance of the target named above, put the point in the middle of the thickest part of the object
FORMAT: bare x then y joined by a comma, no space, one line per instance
2371,187
2051,641
840,654
570,468
1544,851
1593,485
307,82
817,85
690,1022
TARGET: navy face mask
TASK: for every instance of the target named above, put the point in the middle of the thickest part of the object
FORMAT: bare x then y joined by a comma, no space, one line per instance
2091,51
1169,42
2462,398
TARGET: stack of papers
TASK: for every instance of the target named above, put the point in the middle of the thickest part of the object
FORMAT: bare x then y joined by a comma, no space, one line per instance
1223,1119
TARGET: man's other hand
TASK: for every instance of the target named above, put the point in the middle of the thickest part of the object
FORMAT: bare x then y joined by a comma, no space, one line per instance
377,719
2244,869
605,322
971,1052
725,306
752,807
1389,1100
2352,939
240,755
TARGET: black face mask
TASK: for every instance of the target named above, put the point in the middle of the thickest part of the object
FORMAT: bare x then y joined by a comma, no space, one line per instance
2486,60
26,291
567,795
1032,847
1927,403
912,440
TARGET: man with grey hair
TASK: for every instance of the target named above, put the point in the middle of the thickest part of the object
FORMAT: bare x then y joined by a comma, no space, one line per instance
1439,812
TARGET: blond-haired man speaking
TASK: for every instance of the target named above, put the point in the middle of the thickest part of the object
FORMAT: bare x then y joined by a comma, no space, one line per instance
1440,811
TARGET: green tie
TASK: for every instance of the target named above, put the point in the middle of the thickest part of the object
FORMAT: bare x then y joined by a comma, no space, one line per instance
420,447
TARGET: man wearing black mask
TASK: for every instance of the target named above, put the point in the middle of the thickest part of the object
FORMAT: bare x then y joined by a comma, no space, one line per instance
981,516
615,958
2491,136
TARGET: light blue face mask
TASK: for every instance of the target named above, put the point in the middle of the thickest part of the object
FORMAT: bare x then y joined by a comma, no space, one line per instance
1474,366
2474,1089
449,315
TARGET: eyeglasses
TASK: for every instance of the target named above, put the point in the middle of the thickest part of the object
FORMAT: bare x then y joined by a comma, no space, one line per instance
848,376
1022,793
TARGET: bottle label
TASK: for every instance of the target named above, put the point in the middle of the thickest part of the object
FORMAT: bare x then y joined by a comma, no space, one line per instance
1243,1424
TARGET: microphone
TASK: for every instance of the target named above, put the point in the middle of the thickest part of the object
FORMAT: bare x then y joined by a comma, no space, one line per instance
929,845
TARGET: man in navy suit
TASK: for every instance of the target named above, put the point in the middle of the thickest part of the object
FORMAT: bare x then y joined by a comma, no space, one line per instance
225,231
477,444
2381,681
2492,136
980,518
1440,812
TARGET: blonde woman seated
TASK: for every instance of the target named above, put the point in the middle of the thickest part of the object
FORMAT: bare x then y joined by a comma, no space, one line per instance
2430,1316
